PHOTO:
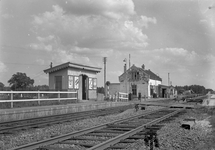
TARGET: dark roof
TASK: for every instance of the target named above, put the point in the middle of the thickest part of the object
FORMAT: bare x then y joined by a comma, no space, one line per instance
72,65
114,83
152,75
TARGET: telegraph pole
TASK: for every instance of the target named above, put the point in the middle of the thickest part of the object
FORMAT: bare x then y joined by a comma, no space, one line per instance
129,60
168,79
105,59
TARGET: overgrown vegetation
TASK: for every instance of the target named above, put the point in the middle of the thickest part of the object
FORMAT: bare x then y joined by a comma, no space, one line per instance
198,89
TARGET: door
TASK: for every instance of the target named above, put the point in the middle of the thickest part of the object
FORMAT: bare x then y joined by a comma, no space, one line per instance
84,87
58,83
134,89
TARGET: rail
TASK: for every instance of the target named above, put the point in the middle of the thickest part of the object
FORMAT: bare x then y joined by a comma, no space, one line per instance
24,96
110,142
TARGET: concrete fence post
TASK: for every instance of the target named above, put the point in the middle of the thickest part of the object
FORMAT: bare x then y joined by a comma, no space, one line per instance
11,98
58,96
38,96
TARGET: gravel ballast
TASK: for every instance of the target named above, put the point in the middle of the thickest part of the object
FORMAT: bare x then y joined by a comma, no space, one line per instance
171,136
34,135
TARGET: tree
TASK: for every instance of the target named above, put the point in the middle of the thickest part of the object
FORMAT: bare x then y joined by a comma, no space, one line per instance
1,86
100,90
20,81
108,83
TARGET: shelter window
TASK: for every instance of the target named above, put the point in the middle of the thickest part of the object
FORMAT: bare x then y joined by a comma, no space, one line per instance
76,83
71,82
92,83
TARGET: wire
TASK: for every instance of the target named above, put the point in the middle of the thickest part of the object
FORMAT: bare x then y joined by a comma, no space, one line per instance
13,63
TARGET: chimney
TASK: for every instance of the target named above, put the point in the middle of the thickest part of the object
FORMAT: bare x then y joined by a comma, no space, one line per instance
143,67
125,68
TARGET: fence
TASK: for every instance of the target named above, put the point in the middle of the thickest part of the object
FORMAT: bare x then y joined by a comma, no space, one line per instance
120,96
27,96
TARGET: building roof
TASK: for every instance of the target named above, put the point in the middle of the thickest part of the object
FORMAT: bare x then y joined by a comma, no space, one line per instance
114,83
72,65
152,75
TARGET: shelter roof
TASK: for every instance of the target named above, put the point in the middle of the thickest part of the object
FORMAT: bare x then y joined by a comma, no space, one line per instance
72,65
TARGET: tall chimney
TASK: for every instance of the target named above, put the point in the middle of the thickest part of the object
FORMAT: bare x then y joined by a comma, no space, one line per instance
143,66
125,68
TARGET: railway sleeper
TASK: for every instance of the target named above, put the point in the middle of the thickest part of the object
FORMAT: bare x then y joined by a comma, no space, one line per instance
88,138
107,131
81,143
117,146
121,126
55,148
137,136
103,135
121,129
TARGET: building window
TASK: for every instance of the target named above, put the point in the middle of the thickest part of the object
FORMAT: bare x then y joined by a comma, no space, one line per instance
135,75
134,89
76,79
138,76
58,83
92,83
71,82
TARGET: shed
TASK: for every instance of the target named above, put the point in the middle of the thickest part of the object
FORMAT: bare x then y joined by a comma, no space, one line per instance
74,77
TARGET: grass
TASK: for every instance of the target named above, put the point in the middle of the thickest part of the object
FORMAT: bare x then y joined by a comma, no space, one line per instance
210,140
7,105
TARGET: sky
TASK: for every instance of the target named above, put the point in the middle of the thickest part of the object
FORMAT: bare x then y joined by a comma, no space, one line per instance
167,36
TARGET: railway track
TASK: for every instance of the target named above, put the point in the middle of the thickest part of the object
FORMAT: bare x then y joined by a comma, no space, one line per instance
10,127
114,135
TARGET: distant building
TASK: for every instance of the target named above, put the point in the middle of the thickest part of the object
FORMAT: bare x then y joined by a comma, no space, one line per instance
165,91
137,81
74,77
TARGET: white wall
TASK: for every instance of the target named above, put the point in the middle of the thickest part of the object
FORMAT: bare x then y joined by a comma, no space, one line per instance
153,83
77,72
62,73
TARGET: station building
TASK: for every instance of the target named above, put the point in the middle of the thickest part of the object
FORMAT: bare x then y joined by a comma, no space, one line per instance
137,81
74,77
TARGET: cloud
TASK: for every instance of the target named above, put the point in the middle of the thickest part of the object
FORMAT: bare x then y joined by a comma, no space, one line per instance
3,68
99,31
64,56
41,46
7,16
40,61
144,21
115,9
173,56
90,30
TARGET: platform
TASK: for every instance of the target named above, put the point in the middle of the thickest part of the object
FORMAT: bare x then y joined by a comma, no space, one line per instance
31,112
